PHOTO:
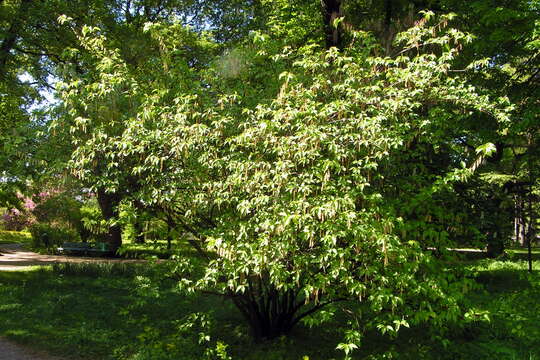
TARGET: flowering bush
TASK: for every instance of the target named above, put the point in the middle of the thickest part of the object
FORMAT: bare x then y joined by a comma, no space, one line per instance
19,219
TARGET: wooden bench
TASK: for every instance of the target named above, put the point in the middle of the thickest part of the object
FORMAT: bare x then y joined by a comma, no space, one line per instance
81,248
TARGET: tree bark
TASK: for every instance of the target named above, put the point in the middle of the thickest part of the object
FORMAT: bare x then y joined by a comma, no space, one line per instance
11,35
269,313
495,245
170,227
387,36
530,232
520,229
332,11
108,204
517,221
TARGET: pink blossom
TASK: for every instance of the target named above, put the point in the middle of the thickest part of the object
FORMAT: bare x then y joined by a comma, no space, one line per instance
29,204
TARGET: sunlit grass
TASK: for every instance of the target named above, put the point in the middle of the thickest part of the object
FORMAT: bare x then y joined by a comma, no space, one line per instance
15,237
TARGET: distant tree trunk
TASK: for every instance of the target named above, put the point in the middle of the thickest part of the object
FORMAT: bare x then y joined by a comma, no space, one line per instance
171,224
139,229
332,11
495,245
139,223
519,222
530,231
387,36
108,204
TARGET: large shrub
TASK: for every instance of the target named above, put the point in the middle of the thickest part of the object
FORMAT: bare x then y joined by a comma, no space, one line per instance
316,188
17,219
58,208
48,236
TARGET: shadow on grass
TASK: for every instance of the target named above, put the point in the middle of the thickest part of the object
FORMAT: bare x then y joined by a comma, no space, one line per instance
114,311
134,311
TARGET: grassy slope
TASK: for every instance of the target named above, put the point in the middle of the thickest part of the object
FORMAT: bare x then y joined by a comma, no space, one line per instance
19,237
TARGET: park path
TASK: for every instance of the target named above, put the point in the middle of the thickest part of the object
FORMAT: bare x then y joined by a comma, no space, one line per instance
12,351
15,257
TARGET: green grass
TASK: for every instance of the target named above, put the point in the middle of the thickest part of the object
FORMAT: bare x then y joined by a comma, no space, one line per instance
522,254
96,311
115,311
104,311
17,237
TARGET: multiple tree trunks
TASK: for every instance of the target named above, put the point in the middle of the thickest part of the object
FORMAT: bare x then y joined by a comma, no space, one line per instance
524,217
269,314
272,312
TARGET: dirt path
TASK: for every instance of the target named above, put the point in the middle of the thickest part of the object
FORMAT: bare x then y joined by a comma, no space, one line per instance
15,257
12,351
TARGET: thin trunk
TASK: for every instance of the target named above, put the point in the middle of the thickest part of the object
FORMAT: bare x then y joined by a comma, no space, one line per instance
139,236
516,220
170,226
530,232
495,246
522,223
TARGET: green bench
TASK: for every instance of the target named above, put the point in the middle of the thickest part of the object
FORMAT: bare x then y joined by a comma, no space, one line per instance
89,249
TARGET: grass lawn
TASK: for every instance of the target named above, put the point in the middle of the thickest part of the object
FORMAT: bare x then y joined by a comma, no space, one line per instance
18,237
116,312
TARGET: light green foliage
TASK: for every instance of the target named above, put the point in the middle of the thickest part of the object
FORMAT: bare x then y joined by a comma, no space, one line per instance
92,220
